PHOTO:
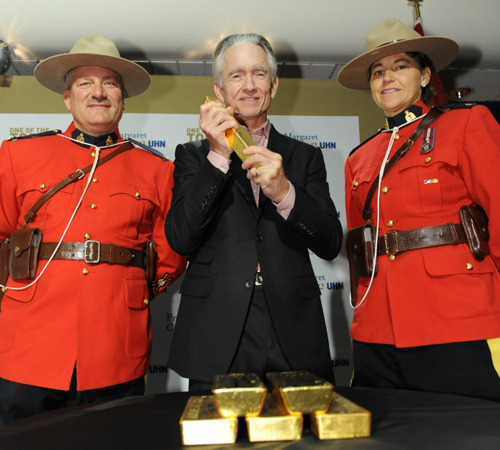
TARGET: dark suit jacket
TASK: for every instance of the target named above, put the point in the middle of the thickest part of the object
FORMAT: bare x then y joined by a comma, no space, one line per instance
214,220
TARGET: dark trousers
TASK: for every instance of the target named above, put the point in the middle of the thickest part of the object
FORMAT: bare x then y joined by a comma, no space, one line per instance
19,400
258,350
464,368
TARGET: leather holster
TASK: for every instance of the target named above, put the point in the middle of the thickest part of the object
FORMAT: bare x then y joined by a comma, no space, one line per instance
150,261
24,247
475,223
360,246
4,266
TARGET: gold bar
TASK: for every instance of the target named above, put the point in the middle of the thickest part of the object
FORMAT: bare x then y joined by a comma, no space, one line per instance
201,423
239,394
344,419
274,423
238,139
302,392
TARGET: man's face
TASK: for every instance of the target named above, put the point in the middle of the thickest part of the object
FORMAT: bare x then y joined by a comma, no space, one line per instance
95,99
246,84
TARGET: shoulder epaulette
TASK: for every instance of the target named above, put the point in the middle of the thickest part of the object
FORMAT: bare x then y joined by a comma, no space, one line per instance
43,133
446,106
148,148
365,141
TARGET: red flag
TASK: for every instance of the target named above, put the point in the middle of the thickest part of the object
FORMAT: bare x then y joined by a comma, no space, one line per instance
440,96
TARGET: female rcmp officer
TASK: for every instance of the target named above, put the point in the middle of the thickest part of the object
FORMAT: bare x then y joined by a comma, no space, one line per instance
428,318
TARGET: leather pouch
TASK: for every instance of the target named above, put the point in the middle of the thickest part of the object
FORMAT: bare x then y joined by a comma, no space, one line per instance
475,223
150,261
4,265
24,248
360,246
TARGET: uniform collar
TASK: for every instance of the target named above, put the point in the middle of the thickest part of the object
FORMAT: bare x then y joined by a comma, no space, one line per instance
408,115
87,140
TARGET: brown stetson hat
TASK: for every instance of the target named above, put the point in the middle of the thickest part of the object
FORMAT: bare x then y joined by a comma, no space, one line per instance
92,50
388,38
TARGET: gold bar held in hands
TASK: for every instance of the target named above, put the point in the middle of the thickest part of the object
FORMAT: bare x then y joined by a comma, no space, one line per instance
344,419
239,394
201,423
301,391
274,423
238,139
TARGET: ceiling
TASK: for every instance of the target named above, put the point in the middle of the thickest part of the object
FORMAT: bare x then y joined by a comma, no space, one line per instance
312,38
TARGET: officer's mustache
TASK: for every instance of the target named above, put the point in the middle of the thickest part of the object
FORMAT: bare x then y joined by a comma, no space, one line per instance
105,102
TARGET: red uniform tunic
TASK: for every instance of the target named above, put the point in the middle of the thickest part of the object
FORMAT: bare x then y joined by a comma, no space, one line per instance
440,294
97,320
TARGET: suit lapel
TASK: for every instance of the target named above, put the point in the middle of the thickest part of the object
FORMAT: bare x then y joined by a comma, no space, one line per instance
241,181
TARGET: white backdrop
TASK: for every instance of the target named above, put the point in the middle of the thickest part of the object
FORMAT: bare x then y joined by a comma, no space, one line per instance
336,136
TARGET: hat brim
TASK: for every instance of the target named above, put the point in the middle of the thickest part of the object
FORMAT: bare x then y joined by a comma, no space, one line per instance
440,50
51,71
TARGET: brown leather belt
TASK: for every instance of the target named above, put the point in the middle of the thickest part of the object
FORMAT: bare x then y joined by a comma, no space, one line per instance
395,241
93,252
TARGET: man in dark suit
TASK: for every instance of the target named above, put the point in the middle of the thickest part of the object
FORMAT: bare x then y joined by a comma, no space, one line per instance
250,300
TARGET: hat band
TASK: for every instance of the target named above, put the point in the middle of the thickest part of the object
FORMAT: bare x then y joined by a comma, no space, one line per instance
390,42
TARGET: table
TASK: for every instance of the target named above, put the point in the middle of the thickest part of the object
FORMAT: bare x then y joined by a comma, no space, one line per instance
401,419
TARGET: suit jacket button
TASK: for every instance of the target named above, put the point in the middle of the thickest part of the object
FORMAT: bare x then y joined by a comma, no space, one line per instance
249,284
260,238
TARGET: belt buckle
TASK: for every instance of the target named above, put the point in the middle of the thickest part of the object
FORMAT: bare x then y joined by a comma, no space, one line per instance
89,252
387,243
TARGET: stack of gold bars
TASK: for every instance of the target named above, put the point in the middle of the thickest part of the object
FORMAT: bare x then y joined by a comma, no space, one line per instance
275,416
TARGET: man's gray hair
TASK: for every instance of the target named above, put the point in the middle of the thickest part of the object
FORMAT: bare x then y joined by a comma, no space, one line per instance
247,38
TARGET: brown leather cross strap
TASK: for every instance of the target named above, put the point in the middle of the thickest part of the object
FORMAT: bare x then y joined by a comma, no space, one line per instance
430,117
93,252
395,241
78,174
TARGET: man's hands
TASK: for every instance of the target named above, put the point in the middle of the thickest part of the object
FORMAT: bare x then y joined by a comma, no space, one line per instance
215,119
269,174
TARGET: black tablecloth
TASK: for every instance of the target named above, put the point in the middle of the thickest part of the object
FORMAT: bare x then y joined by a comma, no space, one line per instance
400,420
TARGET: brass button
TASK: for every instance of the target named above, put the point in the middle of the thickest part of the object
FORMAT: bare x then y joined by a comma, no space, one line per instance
42,186
355,183
385,190
390,223
138,195
146,301
392,257
469,266
92,154
93,206
94,180
397,136
428,159
87,236
85,271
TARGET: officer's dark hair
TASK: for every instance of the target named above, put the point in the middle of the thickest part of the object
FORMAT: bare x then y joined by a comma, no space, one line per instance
424,61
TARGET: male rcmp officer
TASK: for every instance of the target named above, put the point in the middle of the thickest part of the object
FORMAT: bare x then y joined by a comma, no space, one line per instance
250,300
80,331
